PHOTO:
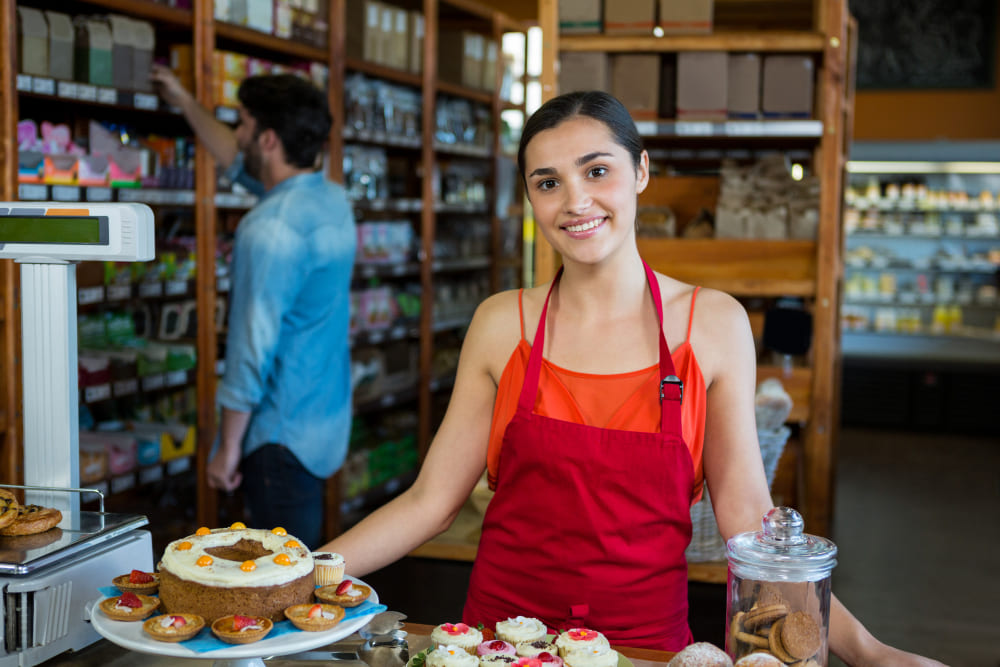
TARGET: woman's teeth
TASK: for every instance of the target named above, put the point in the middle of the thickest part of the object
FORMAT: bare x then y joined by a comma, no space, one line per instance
585,226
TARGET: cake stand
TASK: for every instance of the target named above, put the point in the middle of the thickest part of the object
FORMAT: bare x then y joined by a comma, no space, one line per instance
129,634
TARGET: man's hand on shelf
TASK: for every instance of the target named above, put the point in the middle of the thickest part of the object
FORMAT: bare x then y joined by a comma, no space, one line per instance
169,86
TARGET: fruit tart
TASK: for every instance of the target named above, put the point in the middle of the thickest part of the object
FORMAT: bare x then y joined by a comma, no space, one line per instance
314,617
347,593
173,627
239,629
129,606
138,581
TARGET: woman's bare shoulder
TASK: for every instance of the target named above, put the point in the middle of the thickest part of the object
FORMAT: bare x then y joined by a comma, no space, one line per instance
496,329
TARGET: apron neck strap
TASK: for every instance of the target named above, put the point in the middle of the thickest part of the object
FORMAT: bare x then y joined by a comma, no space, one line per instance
670,387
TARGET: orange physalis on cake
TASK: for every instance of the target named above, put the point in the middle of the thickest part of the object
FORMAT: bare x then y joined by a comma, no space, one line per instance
248,566
184,546
279,531
282,559
292,544
203,561
239,525
201,532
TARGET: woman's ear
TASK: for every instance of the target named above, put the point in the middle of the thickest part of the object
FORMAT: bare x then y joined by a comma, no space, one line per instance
642,173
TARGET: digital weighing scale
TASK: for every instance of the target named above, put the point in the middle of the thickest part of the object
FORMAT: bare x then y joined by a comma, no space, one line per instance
47,580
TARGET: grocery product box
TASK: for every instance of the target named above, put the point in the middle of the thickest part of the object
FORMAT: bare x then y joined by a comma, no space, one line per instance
787,88
635,79
363,25
584,70
460,56
34,39
61,40
702,85
629,17
182,64
415,41
92,51
122,48
678,17
143,44
577,17
743,95
488,79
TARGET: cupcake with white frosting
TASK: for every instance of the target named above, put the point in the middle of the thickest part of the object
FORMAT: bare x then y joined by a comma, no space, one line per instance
597,656
450,656
521,629
580,639
457,634
531,649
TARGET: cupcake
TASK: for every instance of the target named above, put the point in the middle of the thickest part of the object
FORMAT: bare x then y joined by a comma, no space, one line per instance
580,639
521,629
497,660
531,649
495,646
549,659
457,634
450,656
329,568
596,656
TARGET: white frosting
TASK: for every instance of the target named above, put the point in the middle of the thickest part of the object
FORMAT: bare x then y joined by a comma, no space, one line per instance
596,656
123,608
450,655
521,629
251,627
329,615
227,573
334,560
566,644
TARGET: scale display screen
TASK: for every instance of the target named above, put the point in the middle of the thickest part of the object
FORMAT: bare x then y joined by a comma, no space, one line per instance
48,229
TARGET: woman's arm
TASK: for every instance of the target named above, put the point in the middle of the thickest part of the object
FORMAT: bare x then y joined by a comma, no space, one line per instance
455,460
733,467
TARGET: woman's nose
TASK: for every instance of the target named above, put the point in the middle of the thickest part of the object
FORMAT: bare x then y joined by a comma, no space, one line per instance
577,199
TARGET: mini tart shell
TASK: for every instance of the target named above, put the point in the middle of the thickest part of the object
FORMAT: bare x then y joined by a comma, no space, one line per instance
329,594
122,583
193,626
298,614
149,605
224,630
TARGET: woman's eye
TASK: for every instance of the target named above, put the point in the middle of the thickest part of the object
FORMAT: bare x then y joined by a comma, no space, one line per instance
597,172
547,184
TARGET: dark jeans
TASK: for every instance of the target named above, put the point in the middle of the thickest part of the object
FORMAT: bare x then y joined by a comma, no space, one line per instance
279,491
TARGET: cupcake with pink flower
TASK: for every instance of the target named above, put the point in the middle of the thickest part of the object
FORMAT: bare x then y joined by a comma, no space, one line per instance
495,646
580,639
457,634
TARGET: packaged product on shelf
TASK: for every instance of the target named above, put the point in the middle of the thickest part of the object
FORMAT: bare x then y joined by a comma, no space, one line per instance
743,79
702,85
635,79
143,46
61,45
362,29
33,35
92,55
579,17
122,47
787,86
677,17
629,17
584,70
415,44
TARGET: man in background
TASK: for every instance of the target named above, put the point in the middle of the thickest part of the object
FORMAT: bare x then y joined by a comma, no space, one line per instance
285,397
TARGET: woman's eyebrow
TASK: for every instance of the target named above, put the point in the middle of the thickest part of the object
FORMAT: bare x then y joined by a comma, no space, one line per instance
580,161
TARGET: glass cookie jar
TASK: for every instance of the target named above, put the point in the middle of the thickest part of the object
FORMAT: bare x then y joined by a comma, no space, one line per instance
778,596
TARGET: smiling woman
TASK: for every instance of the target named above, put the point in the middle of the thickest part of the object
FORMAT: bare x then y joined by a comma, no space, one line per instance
599,403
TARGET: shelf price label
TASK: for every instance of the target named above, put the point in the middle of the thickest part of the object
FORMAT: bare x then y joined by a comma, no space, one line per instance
119,292
145,101
99,392
107,95
67,89
86,92
122,483
693,129
126,387
176,378
43,86
98,194
24,83
150,475
66,193
175,287
32,192
88,295
153,382
150,290
177,466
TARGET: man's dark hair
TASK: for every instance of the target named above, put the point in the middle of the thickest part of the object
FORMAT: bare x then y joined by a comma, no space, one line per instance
295,109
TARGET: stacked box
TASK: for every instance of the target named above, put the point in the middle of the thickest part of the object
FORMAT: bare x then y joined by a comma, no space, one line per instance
577,17
702,86
635,79
787,89
61,46
678,17
743,96
629,17
584,70
34,37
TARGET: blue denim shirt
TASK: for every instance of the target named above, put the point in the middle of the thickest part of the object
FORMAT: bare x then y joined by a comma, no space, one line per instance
287,352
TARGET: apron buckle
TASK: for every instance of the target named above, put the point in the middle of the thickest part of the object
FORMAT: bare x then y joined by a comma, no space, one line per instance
672,379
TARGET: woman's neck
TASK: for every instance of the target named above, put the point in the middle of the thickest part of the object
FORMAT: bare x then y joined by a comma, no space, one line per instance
607,289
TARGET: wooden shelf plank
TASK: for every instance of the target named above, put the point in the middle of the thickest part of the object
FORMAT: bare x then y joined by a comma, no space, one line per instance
708,573
145,9
763,41
383,72
270,42
474,94
741,267
798,384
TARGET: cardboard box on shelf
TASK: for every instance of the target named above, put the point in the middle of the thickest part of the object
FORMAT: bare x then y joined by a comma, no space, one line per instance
34,40
400,39
260,15
584,70
743,97
415,41
668,85
121,51
382,53
143,45
679,17
787,89
702,86
92,51
182,64
580,17
629,17
60,45
363,23
460,57
488,78
635,81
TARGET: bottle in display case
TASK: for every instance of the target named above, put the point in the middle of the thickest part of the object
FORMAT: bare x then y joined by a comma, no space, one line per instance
778,594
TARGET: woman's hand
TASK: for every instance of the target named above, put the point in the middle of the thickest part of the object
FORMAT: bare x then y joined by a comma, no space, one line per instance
882,654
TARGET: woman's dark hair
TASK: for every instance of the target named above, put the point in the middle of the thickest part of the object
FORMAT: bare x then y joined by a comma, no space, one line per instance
594,104
295,109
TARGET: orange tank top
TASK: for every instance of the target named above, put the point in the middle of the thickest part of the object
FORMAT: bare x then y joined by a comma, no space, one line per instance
624,401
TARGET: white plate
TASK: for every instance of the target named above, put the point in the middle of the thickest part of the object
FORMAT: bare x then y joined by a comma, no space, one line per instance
129,634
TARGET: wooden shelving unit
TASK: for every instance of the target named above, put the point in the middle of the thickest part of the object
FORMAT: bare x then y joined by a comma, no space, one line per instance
198,27
811,270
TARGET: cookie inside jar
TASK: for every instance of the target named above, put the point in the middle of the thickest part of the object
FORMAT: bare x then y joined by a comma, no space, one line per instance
778,599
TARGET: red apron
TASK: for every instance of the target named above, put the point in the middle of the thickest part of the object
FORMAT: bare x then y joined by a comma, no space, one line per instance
588,526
